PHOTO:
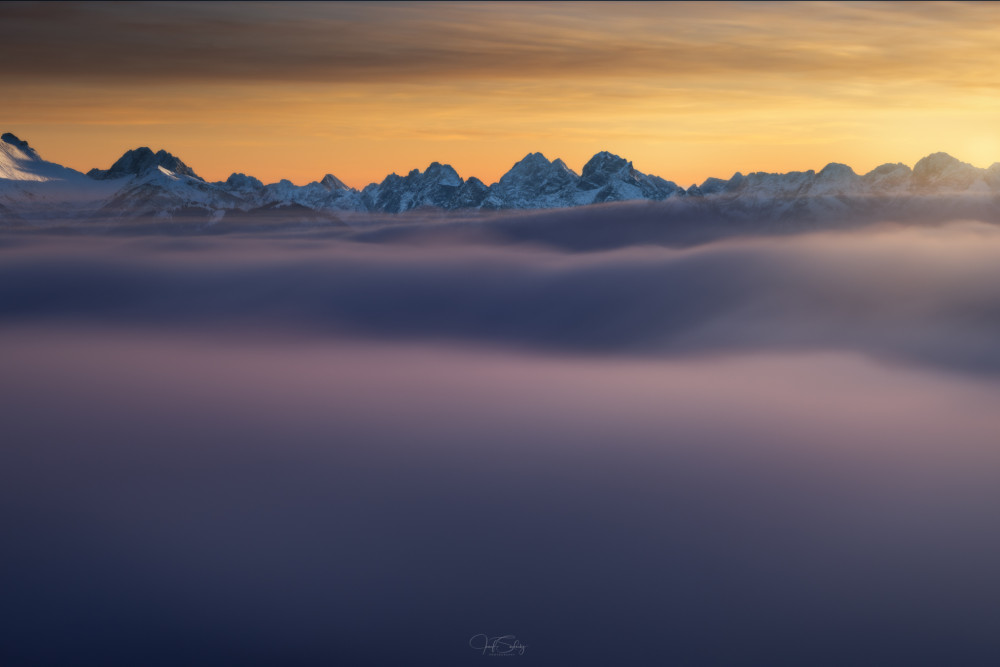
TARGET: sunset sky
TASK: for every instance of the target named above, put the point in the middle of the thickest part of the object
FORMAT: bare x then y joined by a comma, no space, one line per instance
359,90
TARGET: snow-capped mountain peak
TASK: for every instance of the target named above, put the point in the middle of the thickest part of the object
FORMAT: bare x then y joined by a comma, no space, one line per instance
34,189
941,171
615,179
836,172
242,183
531,161
888,177
438,186
20,162
141,162
443,174
602,166
834,179
331,182
144,184
534,179
714,186
26,151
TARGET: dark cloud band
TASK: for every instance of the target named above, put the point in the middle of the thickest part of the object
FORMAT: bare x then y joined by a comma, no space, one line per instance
382,42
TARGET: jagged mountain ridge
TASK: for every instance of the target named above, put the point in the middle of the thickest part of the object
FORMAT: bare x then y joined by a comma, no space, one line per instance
144,184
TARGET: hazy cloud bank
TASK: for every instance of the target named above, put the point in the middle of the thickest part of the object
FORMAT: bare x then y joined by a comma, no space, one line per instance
921,295
287,448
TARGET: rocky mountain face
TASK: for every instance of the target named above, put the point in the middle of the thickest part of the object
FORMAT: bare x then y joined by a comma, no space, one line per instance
439,186
535,183
143,184
142,161
329,193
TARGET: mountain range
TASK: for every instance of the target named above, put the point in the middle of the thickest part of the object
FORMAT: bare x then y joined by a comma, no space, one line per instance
147,185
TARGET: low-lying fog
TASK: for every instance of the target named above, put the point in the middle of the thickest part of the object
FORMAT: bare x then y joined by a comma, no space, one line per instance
298,449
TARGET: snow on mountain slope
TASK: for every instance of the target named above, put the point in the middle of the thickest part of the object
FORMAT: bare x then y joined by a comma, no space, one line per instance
939,186
941,172
20,162
611,178
147,186
888,179
141,161
33,189
144,184
329,193
439,186
535,182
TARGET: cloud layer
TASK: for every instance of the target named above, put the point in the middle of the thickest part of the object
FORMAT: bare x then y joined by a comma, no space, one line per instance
925,296
286,447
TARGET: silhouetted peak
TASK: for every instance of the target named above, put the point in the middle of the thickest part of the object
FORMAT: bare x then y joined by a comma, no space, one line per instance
943,170
141,161
243,182
604,163
331,182
836,171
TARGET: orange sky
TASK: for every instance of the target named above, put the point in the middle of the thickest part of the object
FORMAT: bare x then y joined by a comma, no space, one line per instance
686,91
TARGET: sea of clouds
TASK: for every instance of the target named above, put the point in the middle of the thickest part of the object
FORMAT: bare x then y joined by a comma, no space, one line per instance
301,447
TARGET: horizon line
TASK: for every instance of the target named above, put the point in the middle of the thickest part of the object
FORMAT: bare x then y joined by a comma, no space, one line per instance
738,172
